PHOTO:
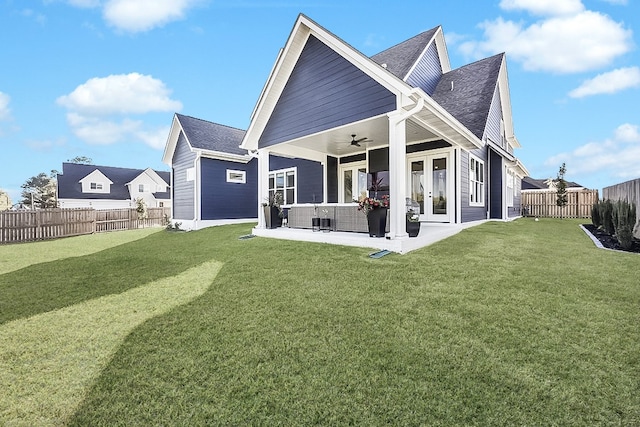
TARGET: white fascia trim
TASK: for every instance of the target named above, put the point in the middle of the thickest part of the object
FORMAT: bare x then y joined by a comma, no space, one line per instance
172,141
441,48
96,174
518,168
504,153
505,101
437,110
303,28
220,155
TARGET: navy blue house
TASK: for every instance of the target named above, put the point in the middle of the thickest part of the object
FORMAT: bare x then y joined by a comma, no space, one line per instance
330,120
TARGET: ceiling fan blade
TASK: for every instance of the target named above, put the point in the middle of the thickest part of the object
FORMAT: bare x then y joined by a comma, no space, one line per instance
361,139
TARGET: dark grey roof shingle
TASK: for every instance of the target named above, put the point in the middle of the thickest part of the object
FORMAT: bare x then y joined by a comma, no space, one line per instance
401,57
212,136
473,89
69,186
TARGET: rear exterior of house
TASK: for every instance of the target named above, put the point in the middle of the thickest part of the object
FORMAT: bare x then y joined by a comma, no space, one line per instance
441,137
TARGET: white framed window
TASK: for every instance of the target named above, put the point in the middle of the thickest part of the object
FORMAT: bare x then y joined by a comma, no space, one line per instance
476,182
353,182
285,182
236,176
510,187
140,188
191,174
96,186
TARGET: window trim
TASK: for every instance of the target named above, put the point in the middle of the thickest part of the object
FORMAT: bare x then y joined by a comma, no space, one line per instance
285,171
96,186
473,181
354,167
510,192
241,179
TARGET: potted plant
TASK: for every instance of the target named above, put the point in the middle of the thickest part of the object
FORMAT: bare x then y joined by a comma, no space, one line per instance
325,222
315,220
413,223
376,212
273,210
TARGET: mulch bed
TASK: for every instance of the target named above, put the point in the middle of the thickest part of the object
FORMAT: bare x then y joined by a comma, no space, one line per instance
609,241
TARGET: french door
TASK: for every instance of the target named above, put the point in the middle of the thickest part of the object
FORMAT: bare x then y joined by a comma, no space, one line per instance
430,185
353,182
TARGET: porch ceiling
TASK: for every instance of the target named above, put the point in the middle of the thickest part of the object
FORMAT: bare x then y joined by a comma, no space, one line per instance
336,142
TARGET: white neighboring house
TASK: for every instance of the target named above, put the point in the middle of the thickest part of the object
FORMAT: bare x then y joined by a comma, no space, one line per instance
106,187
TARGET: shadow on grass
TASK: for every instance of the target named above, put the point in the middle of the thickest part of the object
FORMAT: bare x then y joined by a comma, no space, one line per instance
52,285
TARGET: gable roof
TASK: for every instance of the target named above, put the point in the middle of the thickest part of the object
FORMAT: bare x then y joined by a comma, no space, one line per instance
69,186
529,183
211,139
466,92
399,59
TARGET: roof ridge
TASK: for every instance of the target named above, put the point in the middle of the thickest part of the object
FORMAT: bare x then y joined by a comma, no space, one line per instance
210,122
112,167
406,40
478,61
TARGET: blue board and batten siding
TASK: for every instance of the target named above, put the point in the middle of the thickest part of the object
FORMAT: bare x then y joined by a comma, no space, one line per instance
228,200
468,212
427,71
183,190
324,91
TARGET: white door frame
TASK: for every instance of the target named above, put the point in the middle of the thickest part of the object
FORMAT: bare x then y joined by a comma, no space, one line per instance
349,166
426,157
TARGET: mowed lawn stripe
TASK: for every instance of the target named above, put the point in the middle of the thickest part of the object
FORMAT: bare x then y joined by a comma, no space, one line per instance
48,361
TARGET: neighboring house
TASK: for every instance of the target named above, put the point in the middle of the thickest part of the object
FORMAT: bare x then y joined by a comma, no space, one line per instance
214,181
106,187
529,183
442,137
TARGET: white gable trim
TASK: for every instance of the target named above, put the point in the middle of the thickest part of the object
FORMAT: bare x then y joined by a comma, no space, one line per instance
505,100
441,48
99,178
286,61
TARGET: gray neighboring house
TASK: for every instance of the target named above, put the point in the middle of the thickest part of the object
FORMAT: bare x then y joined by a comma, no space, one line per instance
108,187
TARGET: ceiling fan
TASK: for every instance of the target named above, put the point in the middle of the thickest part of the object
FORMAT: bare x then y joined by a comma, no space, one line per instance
356,142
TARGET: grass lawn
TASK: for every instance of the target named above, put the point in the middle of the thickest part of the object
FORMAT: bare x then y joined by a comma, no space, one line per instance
521,323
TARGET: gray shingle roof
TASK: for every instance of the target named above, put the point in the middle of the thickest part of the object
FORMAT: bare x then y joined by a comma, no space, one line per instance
529,183
473,88
212,136
69,186
401,57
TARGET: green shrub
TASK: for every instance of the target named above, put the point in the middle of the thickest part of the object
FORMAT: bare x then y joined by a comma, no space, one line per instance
606,216
595,215
624,219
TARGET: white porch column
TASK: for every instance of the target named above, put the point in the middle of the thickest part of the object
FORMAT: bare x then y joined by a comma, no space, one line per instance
397,177
263,184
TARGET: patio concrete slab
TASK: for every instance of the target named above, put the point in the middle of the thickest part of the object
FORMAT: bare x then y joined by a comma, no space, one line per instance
429,234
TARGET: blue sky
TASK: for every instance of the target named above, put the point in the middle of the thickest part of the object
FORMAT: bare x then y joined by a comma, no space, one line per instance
102,78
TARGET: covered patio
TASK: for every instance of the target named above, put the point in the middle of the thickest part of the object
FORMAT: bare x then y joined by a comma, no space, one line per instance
429,234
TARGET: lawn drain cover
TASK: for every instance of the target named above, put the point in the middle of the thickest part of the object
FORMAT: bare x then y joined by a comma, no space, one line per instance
246,236
379,254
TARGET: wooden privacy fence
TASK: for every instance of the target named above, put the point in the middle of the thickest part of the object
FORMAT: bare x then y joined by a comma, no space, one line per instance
25,226
542,203
629,191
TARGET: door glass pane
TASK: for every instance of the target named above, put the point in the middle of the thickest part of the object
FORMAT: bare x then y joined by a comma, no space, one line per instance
362,183
347,186
439,186
417,183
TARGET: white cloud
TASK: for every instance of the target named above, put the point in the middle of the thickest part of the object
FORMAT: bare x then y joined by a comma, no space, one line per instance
610,82
144,15
5,111
562,44
122,93
156,138
544,7
616,157
100,110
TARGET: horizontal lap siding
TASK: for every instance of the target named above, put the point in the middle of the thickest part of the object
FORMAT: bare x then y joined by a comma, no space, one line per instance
516,210
183,190
472,213
309,176
492,128
324,91
427,72
228,200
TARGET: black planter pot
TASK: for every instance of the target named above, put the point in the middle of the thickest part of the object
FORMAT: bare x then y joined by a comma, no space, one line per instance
315,224
272,217
413,228
325,224
377,222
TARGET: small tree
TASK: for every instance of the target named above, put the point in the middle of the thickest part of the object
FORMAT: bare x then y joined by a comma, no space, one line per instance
40,191
83,160
141,208
561,189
